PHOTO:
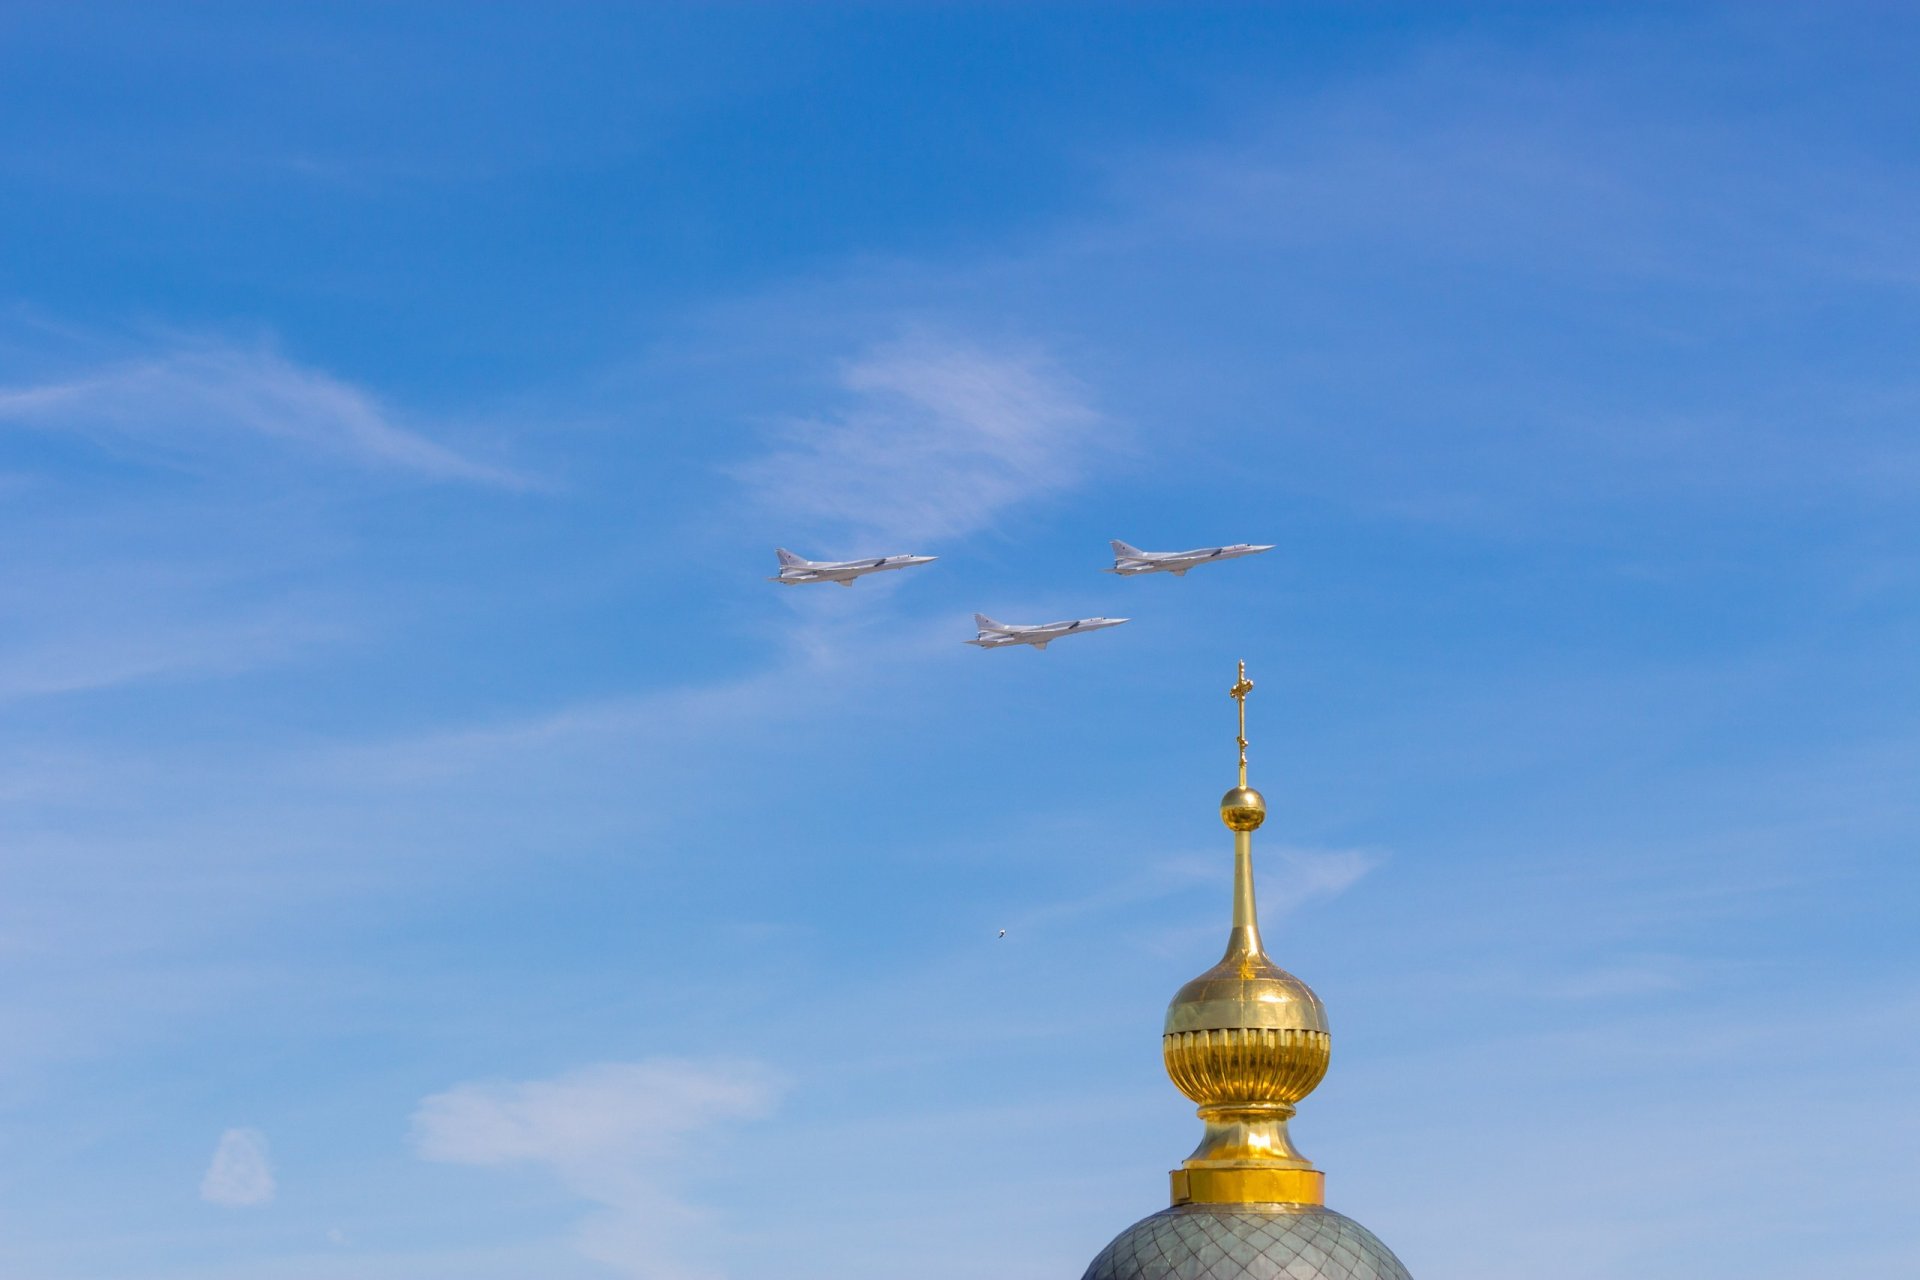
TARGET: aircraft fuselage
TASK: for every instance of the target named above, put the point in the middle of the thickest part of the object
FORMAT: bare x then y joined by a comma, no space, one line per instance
1129,561
999,635
795,571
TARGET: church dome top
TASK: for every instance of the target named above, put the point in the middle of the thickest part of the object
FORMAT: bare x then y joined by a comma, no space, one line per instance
1246,1242
1246,1041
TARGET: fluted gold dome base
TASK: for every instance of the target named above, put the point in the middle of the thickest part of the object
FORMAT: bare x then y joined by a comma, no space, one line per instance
1247,1064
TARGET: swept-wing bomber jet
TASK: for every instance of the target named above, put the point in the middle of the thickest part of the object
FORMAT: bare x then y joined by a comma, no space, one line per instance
797,569
1128,561
997,635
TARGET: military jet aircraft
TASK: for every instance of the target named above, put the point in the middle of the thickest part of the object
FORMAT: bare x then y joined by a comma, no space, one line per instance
797,569
1128,561
996,635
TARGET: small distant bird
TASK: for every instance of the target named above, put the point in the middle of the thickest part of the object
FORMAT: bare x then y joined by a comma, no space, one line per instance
1003,933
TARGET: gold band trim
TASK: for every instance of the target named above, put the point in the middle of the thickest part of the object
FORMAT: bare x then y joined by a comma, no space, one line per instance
1249,1186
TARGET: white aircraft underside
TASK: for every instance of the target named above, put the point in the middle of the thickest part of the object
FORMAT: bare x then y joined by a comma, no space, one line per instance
795,570
998,635
1128,560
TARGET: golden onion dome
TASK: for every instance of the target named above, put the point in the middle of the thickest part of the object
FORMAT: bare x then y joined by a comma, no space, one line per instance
1246,1041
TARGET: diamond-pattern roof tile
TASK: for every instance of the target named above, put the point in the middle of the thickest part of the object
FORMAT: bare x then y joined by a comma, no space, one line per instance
1246,1242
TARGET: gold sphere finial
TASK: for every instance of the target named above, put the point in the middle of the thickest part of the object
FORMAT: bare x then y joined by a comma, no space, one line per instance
1243,809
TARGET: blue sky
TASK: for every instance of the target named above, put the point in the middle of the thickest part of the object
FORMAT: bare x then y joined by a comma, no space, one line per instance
431,850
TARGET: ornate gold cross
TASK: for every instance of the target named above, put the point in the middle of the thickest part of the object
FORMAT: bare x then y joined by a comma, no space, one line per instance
1241,688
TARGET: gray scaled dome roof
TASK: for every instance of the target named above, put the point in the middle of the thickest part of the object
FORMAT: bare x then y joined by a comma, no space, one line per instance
1246,1242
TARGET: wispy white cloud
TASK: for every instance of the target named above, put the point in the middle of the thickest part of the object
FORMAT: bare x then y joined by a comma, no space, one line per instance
583,734
612,1133
1616,982
116,581
827,662
1308,875
241,1174
1286,880
194,391
88,656
937,440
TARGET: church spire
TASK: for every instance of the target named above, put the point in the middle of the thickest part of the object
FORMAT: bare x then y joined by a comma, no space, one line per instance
1243,810
1246,1040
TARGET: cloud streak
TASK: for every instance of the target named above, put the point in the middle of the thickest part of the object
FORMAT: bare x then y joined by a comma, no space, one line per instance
194,392
936,440
1288,879
86,654
612,1133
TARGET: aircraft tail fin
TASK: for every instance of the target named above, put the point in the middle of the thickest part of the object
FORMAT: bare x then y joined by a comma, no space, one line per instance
985,623
788,559
1124,552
